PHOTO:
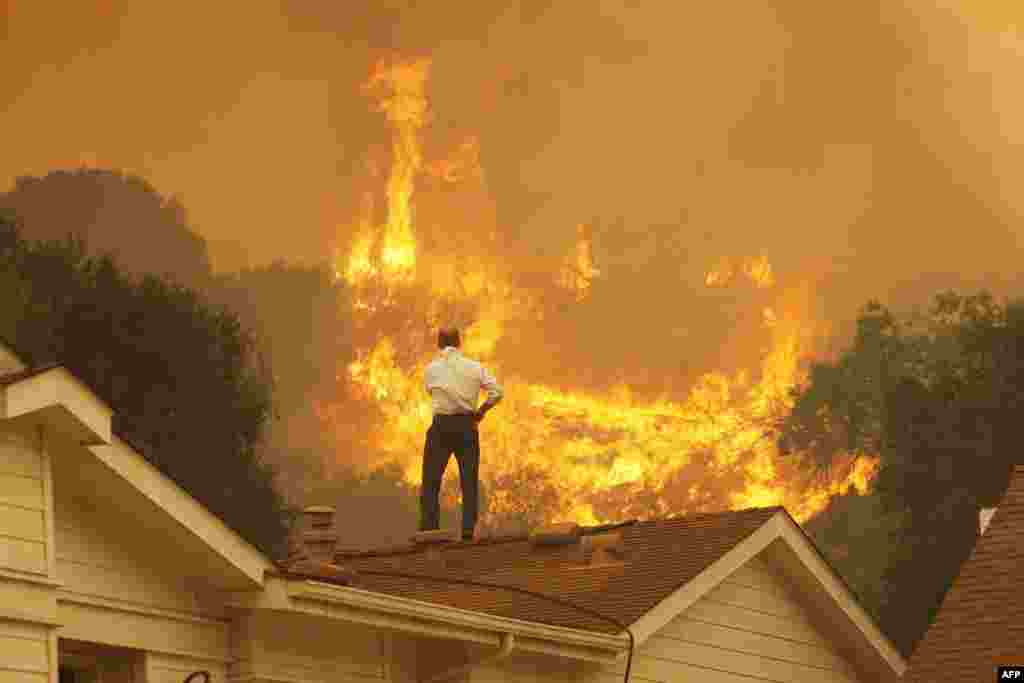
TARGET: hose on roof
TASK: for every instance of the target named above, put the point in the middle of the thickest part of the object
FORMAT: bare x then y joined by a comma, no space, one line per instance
550,598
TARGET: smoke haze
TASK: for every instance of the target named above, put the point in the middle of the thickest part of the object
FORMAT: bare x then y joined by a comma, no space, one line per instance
866,149
826,138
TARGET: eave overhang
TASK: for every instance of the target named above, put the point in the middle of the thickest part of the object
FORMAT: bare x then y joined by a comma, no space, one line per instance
55,396
355,605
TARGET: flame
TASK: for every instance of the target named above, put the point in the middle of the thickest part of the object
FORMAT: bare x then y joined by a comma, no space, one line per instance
462,165
553,453
578,269
405,103
757,269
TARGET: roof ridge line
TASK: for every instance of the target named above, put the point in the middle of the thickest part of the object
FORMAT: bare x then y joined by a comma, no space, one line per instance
411,549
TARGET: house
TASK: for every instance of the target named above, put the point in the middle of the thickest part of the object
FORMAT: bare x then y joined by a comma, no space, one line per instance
110,573
980,624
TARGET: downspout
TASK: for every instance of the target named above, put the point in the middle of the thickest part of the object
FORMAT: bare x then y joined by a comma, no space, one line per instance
508,642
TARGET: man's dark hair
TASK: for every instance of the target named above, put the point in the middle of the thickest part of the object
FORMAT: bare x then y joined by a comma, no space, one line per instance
448,336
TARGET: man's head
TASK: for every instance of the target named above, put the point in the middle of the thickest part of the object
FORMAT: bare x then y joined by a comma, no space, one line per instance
448,336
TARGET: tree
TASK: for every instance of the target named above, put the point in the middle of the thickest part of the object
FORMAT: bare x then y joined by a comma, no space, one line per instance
185,380
937,397
853,533
116,213
297,315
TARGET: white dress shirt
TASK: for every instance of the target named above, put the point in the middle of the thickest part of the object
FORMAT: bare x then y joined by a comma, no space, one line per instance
454,383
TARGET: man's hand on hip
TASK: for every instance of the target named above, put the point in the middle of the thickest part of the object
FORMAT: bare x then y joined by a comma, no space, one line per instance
481,411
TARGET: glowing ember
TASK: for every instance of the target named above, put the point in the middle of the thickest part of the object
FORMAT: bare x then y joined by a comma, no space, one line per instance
552,454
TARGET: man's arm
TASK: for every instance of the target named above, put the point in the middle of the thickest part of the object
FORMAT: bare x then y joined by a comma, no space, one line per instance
430,380
494,392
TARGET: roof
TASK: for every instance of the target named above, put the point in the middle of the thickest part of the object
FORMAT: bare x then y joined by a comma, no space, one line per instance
659,557
28,373
13,377
981,622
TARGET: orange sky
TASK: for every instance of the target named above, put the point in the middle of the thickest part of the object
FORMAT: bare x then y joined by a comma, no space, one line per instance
881,138
868,149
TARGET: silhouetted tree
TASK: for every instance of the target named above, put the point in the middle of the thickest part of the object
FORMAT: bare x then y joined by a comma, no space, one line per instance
853,532
184,379
116,213
937,397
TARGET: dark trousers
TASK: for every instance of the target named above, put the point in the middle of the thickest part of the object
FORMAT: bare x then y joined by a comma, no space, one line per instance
450,434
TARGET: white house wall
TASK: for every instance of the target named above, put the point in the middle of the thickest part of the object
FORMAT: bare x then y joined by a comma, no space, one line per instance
24,652
100,556
27,591
293,648
747,629
121,587
24,536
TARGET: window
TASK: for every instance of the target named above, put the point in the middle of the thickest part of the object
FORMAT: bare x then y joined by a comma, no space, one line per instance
81,662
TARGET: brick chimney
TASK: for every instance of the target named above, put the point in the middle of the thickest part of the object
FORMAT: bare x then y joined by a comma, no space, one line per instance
317,534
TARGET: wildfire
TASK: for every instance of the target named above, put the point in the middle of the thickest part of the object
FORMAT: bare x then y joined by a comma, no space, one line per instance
404,101
578,269
758,270
464,164
553,454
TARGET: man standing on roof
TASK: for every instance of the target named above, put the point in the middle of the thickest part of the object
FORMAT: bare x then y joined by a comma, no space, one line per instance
454,383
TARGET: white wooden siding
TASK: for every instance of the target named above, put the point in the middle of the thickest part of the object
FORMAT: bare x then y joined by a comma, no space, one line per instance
746,630
23,532
101,556
117,593
24,653
20,491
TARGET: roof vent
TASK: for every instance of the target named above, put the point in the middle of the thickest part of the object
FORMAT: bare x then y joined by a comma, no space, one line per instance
604,549
565,533
319,538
